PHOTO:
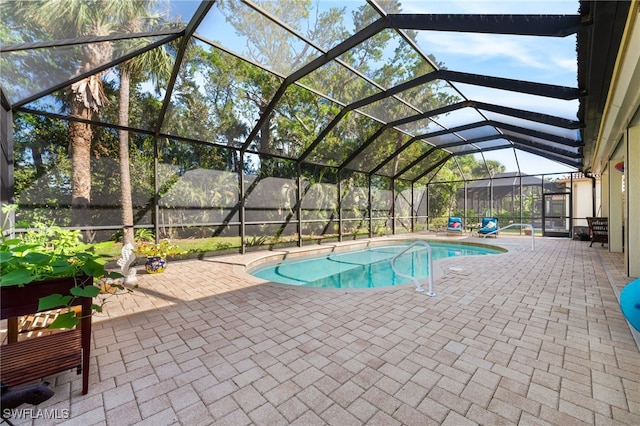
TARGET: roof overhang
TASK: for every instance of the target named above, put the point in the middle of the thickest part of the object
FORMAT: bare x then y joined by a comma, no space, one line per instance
598,48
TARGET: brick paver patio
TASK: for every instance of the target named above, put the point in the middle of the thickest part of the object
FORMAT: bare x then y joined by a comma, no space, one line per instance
530,338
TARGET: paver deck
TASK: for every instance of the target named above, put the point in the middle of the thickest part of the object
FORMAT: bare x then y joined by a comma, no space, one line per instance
529,338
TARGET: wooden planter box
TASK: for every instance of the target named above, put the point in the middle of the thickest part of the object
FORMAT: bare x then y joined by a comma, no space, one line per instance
38,357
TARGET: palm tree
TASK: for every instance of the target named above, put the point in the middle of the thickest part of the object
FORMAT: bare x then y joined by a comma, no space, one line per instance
155,64
76,18
64,19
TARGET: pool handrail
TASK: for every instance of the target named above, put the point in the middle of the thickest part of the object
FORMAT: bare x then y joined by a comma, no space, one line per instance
411,277
533,244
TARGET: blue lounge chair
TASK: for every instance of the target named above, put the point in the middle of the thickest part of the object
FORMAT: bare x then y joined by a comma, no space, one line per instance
489,224
454,225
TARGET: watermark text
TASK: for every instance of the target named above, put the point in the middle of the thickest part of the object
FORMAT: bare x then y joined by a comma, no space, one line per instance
36,413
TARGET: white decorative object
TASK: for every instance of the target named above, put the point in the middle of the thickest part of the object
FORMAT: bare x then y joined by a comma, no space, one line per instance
128,256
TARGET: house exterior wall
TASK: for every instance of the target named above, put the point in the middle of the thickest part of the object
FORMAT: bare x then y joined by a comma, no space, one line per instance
620,129
616,207
583,200
632,228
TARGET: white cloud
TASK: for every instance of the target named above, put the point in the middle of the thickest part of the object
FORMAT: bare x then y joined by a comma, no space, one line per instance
494,6
557,107
523,51
519,56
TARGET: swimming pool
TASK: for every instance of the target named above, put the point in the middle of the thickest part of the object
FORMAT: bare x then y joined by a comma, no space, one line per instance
368,267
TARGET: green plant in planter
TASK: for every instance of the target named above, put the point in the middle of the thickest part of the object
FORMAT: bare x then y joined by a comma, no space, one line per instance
163,249
51,252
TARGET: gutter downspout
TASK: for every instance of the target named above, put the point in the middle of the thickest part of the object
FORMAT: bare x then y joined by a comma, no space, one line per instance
593,194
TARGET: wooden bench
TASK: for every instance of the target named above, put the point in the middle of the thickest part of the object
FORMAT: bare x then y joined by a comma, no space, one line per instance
35,358
599,230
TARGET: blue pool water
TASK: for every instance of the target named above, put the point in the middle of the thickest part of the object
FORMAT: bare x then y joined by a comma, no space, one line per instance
365,268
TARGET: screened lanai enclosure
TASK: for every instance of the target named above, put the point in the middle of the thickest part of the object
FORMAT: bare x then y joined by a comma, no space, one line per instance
286,122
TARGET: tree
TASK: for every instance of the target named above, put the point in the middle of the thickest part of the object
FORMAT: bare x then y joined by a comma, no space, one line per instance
64,19
75,18
42,168
156,64
276,49
405,64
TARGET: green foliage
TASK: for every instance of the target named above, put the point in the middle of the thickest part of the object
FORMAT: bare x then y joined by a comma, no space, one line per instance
223,245
25,263
256,241
51,253
45,251
438,223
162,249
53,301
53,238
66,320
144,234
217,99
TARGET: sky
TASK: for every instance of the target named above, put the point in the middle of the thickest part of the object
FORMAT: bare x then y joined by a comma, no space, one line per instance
549,60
